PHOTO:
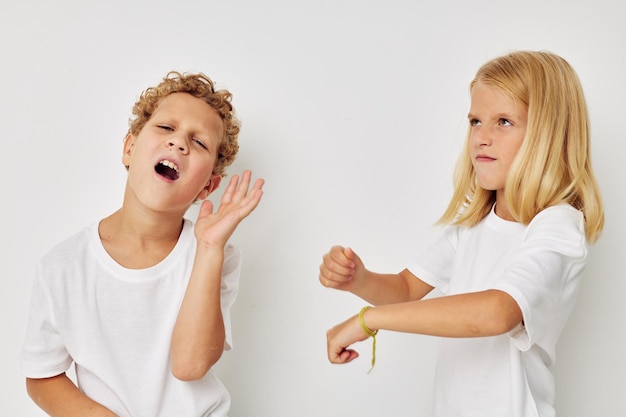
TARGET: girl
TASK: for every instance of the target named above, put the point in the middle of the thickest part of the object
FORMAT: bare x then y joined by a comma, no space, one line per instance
510,258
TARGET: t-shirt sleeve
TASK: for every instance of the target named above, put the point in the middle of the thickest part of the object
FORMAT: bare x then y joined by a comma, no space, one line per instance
44,354
434,264
229,289
544,276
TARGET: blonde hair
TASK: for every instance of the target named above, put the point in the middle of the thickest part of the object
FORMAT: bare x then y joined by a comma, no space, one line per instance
553,164
199,86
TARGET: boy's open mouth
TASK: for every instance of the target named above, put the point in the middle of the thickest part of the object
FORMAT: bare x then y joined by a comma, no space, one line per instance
167,169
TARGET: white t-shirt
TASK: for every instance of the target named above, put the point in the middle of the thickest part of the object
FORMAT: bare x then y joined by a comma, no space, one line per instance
540,266
116,323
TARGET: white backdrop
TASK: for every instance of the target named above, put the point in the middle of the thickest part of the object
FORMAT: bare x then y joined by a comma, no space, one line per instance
353,112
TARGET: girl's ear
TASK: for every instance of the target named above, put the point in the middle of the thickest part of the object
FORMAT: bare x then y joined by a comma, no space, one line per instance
129,144
214,182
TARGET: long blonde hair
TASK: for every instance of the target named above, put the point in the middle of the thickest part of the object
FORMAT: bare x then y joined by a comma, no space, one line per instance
553,164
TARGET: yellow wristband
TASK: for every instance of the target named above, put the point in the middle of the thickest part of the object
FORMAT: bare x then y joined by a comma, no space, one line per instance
371,334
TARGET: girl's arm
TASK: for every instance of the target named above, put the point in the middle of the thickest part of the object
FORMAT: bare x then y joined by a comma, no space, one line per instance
485,313
343,269
478,314
58,396
198,336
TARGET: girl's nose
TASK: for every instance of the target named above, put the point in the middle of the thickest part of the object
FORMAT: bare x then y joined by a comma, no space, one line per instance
481,137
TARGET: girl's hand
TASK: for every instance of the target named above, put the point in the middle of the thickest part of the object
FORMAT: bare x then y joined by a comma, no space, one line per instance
341,269
340,337
214,229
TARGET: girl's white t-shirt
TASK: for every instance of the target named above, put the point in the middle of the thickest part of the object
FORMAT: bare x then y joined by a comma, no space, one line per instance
540,266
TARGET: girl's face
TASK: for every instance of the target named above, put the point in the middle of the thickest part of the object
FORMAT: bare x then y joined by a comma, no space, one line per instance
171,160
497,129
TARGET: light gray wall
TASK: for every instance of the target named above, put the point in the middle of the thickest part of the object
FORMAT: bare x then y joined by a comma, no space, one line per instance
353,112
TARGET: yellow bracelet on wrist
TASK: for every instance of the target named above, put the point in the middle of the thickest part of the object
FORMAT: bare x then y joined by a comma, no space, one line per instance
370,333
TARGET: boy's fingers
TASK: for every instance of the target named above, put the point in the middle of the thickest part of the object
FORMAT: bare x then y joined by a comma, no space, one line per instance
206,208
240,190
242,187
228,193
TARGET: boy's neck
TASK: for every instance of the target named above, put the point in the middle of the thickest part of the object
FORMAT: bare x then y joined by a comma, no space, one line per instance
138,243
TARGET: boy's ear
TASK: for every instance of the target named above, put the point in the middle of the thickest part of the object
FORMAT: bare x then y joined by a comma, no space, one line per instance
214,182
129,144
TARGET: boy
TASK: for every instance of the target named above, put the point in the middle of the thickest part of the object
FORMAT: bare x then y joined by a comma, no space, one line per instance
140,301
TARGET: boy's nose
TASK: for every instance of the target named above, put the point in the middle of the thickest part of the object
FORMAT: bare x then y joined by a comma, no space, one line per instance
177,145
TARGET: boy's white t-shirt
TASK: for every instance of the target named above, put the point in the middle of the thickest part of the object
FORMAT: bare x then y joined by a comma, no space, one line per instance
116,323
540,266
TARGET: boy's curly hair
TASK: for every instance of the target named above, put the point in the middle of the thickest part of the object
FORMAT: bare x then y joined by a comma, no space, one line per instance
200,86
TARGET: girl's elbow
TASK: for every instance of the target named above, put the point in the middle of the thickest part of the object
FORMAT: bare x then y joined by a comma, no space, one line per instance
505,314
502,325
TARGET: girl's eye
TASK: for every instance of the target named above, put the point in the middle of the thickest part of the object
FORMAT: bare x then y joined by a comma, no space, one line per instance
199,142
165,127
505,122
474,122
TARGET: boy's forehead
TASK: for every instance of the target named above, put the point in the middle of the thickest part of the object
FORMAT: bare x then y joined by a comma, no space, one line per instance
183,103
172,101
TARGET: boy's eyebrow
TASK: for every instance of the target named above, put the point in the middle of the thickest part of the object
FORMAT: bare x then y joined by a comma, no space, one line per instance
170,119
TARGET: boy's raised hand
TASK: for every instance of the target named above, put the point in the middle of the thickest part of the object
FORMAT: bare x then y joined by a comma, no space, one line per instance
238,201
341,269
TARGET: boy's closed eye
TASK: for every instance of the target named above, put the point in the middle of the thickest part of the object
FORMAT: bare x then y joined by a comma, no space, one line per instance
200,143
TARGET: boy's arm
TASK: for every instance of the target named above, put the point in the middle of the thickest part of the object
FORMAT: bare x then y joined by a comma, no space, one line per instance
58,396
199,334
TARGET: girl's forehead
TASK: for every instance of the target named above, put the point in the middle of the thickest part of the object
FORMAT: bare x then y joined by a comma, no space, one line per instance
490,96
